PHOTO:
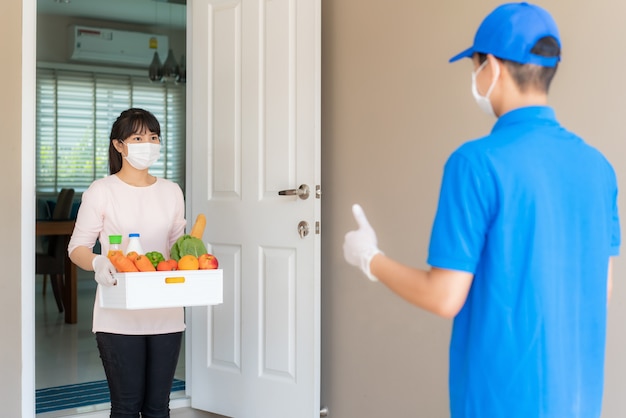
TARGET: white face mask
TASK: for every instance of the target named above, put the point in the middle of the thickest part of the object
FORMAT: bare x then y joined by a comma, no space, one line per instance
483,102
143,155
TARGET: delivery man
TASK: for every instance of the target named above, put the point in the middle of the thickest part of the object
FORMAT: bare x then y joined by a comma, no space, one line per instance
522,240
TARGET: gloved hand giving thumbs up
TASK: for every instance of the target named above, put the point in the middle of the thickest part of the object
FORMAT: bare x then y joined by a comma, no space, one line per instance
360,246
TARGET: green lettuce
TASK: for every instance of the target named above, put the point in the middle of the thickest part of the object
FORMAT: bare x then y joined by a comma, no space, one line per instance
187,245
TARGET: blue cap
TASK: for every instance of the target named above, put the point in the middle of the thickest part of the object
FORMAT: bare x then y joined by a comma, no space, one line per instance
511,31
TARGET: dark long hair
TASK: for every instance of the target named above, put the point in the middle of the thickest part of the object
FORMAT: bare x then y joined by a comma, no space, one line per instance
130,121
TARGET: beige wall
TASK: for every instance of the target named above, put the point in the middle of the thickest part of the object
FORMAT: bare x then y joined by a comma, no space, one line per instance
392,111
10,212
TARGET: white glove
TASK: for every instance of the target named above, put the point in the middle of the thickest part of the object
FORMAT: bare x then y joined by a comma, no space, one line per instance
104,270
360,246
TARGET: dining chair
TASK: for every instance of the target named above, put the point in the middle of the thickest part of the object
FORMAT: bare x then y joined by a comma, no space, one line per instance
52,262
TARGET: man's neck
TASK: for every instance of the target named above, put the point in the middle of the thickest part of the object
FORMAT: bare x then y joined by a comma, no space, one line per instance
516,101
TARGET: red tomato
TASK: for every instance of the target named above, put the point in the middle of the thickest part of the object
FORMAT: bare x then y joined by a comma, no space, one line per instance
167,265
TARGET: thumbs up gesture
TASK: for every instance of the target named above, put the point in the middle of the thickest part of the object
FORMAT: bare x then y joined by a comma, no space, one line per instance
361,245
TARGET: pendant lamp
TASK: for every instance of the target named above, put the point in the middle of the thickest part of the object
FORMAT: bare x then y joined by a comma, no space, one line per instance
168,71
170,67
155,71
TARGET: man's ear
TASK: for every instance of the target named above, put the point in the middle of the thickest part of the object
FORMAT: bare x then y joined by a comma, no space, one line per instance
495,66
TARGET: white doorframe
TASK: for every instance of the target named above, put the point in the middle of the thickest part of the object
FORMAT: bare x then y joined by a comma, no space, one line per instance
28,199
29,62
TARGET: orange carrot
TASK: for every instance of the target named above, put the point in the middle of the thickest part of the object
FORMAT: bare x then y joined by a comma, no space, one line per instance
122,263
132,255
143,263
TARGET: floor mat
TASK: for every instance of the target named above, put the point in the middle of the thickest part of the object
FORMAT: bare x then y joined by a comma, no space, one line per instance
80,394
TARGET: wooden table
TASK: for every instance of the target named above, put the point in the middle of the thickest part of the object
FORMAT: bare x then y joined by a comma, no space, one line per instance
71,274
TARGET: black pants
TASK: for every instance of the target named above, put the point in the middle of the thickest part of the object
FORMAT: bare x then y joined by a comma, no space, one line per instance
140,371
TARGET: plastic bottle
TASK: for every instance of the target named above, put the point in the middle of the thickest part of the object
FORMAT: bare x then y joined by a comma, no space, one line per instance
134,244
115,245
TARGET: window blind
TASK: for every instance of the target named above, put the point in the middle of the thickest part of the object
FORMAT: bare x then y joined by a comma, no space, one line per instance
75,112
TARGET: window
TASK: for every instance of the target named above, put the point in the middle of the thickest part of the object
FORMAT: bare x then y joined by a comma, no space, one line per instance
75,111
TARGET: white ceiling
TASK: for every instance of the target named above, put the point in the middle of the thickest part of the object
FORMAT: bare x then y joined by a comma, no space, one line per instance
148,12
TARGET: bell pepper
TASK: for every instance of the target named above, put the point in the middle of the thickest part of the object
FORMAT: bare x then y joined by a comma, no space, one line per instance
155,257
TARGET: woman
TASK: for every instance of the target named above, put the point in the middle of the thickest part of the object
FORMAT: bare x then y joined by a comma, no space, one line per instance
139,348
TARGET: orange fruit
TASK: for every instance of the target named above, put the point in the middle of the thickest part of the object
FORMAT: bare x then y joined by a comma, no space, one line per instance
188,262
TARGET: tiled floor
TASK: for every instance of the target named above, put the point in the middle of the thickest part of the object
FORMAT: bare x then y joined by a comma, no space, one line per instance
67,353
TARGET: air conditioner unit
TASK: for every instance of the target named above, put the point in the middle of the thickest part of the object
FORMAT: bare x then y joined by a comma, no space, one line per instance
111,46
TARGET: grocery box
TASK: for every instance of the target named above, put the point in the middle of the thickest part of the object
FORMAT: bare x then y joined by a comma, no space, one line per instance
163,289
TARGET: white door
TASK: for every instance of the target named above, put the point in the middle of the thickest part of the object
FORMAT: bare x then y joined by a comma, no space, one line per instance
254,130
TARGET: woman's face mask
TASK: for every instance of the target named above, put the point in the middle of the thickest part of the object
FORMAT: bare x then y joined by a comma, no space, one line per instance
143,155
483,102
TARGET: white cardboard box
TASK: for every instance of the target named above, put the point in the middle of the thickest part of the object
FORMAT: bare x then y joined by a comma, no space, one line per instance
163,289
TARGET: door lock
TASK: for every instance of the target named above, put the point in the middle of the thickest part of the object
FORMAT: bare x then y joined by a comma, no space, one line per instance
303,229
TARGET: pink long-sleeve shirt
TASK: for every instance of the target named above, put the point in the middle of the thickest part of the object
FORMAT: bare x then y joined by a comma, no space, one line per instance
157,212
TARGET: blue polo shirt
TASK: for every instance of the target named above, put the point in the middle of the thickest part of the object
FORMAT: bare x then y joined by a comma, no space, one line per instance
531,211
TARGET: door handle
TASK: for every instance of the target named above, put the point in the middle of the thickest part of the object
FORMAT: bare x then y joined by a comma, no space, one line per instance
302,192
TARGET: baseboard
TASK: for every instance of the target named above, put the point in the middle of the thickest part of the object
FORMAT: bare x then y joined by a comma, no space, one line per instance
103,410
